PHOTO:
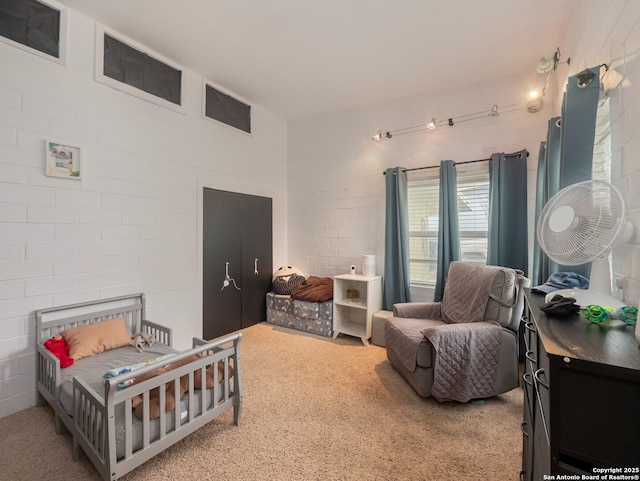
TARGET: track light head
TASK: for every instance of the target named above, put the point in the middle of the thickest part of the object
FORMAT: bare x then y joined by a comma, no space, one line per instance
545,65
432,125
534,105
377,136
494,111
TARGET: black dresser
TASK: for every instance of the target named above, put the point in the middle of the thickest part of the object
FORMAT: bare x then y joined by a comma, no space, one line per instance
581,388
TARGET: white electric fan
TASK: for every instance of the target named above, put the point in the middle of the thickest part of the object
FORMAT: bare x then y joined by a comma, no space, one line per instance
581,223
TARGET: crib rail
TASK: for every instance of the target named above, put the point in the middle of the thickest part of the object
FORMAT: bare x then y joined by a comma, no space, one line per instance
162,334
90,419
93,421
47,373
52,321
97,417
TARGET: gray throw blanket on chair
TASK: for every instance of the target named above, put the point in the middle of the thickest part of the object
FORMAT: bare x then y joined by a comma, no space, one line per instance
468,348
466,361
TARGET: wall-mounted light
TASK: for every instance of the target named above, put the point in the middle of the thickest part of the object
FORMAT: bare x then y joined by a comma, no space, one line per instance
534,105
432,125
377,136
534,101
545,65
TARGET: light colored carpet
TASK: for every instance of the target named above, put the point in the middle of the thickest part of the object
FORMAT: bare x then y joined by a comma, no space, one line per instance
314,409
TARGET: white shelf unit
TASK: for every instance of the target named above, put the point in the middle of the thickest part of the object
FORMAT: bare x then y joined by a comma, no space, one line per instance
353,316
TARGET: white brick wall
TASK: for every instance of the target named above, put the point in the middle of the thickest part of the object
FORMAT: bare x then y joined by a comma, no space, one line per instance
339,217
336,149
131,224
609,33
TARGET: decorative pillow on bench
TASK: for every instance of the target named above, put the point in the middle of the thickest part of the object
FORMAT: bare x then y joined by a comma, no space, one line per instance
95,338
283,285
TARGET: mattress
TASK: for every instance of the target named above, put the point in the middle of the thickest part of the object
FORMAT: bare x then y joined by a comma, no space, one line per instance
91,370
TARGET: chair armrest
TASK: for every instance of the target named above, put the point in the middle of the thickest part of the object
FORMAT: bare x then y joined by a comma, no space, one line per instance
417,310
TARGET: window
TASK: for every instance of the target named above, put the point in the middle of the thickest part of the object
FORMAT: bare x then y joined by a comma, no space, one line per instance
473,217
37,26
602,143
126,66
226,109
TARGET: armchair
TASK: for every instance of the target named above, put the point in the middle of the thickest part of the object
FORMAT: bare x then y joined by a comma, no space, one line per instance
466,346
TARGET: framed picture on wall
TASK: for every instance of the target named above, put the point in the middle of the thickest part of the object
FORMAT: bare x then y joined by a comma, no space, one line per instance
62,160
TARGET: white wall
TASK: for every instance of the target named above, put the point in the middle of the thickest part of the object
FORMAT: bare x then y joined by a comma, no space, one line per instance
609,33
336,186
133,224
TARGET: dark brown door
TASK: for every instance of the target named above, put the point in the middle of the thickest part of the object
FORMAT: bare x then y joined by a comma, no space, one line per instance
257,265
237,230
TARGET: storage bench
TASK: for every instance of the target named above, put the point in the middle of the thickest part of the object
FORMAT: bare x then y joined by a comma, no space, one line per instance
313,317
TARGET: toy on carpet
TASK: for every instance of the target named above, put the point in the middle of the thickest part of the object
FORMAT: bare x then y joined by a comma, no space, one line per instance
59,348
170,399
140,338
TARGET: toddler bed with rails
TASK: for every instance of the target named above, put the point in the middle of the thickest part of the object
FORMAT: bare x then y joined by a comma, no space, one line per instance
123,405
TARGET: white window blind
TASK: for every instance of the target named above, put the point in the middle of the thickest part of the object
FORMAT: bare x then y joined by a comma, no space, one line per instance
473,216
602,143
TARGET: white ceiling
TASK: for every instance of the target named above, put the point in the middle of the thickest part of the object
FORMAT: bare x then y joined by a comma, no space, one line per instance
299,58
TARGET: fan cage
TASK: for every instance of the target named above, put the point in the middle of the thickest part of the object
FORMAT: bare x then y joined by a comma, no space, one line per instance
599,219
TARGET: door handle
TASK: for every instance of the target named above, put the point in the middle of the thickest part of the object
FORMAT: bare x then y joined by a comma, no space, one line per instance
529,356
537,377
255,267
228,280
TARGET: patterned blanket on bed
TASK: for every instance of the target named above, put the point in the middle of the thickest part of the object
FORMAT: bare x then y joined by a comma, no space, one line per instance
123,370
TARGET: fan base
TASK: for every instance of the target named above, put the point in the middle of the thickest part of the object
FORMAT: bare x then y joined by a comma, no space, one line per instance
586,297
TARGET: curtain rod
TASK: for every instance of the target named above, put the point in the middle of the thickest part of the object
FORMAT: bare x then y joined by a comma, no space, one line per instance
518,155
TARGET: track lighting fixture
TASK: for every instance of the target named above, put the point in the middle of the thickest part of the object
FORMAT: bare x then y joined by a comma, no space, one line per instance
545,65
451,121
534,104
548,66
